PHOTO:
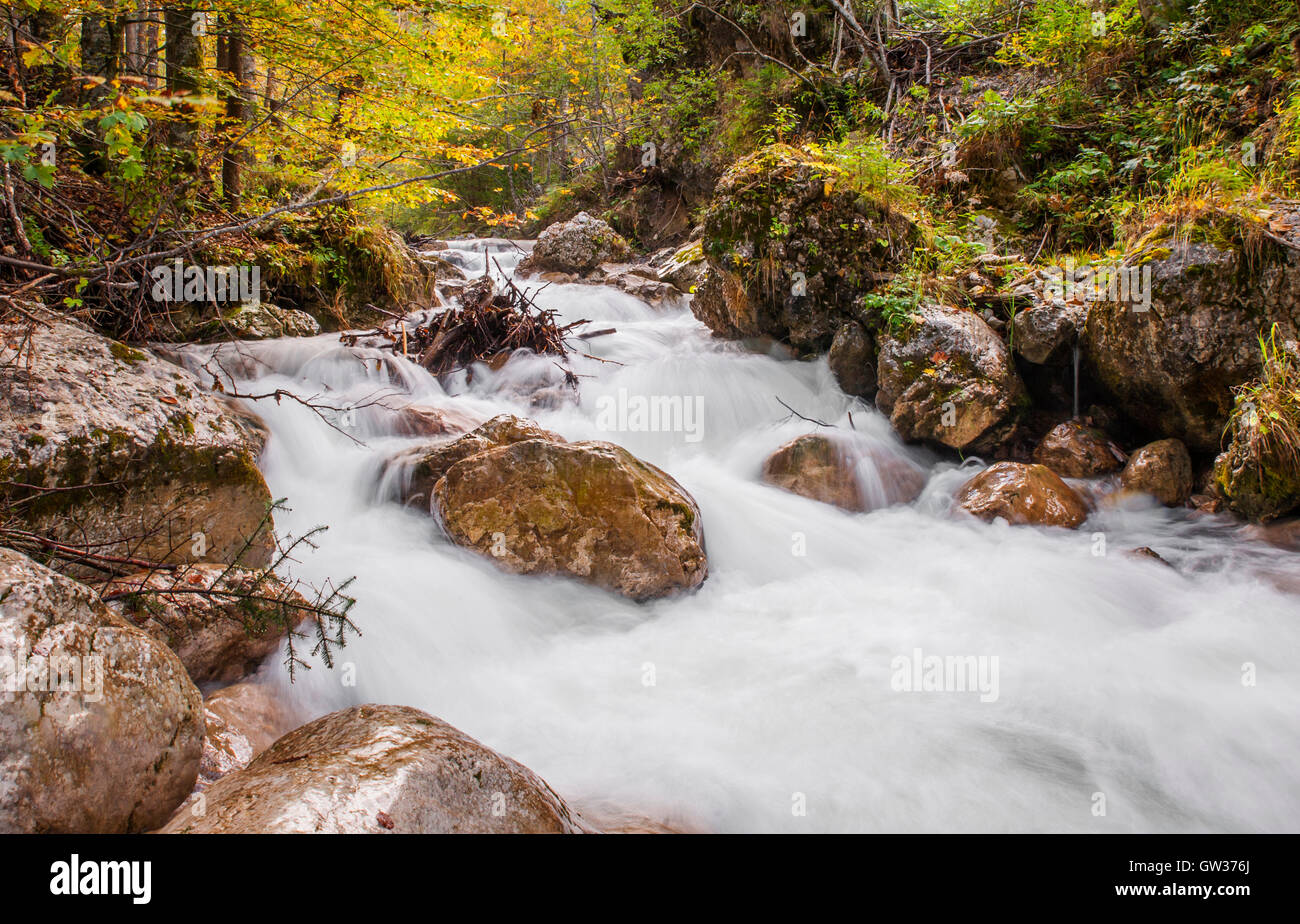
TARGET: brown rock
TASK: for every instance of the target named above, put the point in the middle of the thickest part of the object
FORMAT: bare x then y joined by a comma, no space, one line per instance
852,359
1022,494
242,721
112,746
590,510
827,469
1073,450
1162,469
372,769
220,637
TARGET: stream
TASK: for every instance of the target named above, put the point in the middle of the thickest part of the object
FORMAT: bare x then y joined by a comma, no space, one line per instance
766,701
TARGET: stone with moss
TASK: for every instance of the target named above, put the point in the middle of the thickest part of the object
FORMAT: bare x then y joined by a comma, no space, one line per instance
110,449
791,240
1259,473
588,510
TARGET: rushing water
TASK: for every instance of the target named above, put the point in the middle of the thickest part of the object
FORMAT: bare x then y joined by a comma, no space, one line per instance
770,688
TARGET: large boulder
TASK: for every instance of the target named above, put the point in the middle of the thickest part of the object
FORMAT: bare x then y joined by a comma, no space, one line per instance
375,769
591,510
791,242
222,621
848,473
1022,495
100,727
948,378
1162,469
106,447
1172,368
578,245
1075,450
415,470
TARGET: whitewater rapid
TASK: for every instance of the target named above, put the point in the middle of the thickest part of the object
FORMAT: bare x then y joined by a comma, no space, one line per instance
764,701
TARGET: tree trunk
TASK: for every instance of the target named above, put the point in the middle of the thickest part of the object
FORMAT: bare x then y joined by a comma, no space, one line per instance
237,64
184,58
101,52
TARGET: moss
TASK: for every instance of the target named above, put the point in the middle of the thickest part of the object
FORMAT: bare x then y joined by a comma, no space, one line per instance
123,353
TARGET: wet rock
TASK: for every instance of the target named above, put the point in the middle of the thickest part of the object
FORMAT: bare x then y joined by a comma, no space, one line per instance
578,245
145,462
683,267
207,614
418,469
841,471
1172,368
588,510
852,359
1046,333
1022,495
241,721
791,245
111,744
1145,553
1074,450
949,379
426,420
1162,469
374,769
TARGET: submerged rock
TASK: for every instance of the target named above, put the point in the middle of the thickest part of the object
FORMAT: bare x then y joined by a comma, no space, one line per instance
220,637
590,510
1022,495
578,245
1074,450
110,743
1162,469
375,769
843,472
126,453
949,379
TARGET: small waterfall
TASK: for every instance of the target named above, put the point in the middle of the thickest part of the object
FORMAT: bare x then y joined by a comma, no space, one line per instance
1076,379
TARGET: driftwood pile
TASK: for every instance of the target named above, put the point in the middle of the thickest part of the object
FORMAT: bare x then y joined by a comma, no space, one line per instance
487,325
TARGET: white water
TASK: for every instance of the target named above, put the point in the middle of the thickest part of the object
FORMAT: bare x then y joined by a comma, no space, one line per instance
1116,676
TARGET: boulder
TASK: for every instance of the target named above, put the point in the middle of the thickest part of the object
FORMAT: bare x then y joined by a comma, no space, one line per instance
791,242
841,471
1046,332
220,637
589,510
375,769
417,469
1162,469
948,378
578,245
100,727
1172,368
1074,450
1022,495
852,359
241,721
145,462
262,321
682,266
1259,477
